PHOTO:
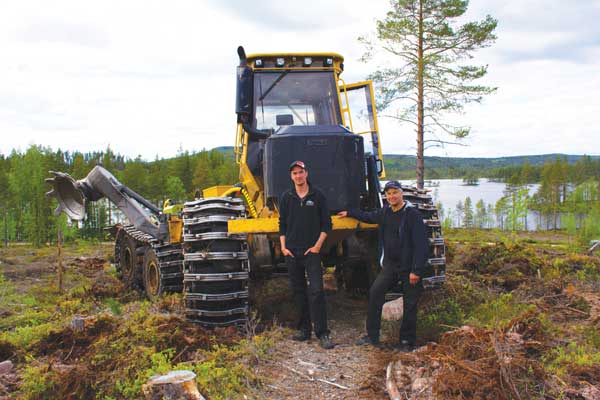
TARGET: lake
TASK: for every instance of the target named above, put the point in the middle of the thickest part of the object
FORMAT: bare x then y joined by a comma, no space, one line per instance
450,191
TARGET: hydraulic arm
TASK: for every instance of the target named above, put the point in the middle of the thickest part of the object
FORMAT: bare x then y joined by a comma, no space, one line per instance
100,183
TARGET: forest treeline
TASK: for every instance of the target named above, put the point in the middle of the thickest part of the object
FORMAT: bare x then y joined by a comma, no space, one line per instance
499,168
567,197
27,214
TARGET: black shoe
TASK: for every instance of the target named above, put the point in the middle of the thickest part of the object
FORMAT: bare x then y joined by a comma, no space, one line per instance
325,342
301,336
367,341
405,346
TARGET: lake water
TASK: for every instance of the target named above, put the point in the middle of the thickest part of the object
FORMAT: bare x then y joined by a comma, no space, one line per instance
450,191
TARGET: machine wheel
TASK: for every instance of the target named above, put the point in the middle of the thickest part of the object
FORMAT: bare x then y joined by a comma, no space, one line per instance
152,280
216,267
163,270
128,261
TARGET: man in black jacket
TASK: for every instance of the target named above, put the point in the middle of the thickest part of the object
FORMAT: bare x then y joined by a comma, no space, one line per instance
304,221
405,254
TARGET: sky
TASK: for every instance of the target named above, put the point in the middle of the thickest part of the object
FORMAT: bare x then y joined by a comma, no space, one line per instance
150,78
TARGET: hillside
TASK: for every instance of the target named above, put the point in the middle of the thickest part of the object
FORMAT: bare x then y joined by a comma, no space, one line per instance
402,166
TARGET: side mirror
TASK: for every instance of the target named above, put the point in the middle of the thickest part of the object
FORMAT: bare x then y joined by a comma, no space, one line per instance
379,166
244,92
284,119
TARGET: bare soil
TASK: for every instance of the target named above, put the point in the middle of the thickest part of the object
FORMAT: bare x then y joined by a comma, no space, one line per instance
305,370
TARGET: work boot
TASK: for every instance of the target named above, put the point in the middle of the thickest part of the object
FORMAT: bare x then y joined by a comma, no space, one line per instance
301,336
325,342
367,341
405,346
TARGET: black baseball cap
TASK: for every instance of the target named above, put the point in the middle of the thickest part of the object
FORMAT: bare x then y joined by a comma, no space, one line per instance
297,164
392,185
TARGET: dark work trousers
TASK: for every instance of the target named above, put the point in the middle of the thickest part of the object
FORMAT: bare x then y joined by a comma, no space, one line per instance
386,280
309,299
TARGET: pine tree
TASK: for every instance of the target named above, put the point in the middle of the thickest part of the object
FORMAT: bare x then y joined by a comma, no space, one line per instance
433,80
468,220
480,214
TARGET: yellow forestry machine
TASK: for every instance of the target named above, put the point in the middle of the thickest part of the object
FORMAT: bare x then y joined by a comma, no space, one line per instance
290,106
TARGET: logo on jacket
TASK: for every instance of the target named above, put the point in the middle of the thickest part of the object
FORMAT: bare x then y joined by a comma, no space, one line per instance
310,203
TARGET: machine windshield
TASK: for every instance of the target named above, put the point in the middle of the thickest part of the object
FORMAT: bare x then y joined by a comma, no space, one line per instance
295,98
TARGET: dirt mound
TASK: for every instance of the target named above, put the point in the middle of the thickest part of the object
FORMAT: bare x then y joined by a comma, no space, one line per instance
93,263
505,265
473,363
7,350
106,286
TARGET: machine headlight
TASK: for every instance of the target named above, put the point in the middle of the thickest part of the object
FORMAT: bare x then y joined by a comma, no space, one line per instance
329,62
307,61
280,62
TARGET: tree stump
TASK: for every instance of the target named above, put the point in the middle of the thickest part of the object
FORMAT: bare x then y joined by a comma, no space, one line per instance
175,385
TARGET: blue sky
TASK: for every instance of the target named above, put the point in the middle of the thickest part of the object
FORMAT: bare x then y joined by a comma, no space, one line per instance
148,77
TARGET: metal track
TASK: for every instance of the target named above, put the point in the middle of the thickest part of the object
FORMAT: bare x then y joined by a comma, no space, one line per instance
216,267
170,257
170,260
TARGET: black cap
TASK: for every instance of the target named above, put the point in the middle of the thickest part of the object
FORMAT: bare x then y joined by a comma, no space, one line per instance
297,164
392,185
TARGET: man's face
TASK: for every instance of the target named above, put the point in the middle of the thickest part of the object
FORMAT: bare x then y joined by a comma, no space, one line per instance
299,176
394,196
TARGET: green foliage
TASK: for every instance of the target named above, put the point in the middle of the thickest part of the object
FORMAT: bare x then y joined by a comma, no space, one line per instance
563,359
499,312
114,306
468,220
582,267
226,371
37,381
159,363
449,309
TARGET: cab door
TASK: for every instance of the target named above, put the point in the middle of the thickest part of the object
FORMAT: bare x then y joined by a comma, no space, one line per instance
360,115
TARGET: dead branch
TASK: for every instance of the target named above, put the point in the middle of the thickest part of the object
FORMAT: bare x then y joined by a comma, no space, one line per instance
390,383
333,384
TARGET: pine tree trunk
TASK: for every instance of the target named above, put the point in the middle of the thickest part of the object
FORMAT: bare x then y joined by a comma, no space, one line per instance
420,106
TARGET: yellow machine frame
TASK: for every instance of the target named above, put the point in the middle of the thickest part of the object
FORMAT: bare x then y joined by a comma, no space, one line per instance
263,220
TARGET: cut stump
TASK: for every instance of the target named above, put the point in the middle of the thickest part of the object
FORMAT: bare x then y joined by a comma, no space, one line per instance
176,385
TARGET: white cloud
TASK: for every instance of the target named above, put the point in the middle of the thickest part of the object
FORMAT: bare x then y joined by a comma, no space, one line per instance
147,77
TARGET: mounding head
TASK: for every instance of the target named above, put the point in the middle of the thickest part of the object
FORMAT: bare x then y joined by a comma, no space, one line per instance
70,198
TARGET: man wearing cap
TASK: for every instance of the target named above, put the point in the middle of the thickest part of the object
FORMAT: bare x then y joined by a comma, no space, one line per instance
404,256
304,221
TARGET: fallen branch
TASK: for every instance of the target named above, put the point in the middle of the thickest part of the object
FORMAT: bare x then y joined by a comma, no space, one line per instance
309,364
594,247
390,383
504,372
180,353
333,384
310,378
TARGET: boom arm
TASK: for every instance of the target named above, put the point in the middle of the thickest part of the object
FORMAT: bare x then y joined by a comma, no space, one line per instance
99,183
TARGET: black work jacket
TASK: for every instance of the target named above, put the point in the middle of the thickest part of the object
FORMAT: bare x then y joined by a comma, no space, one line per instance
404,237
301,221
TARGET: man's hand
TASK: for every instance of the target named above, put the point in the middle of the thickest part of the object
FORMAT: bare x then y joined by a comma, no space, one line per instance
342,214
314,249
287,253
414,279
